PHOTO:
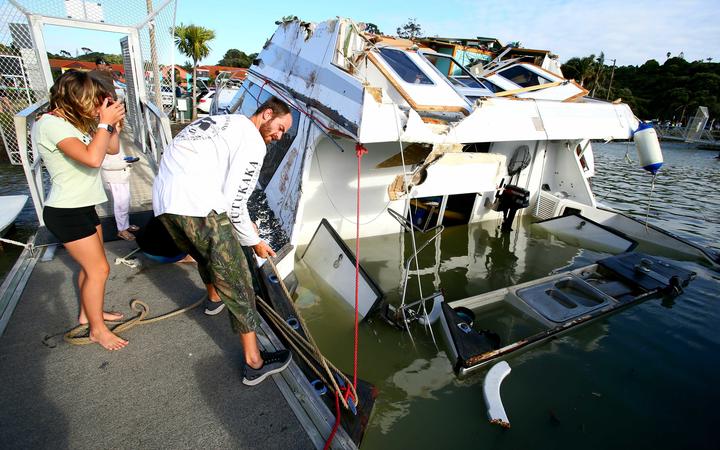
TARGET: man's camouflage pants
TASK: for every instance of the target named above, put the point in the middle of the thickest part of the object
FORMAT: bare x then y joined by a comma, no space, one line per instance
221,261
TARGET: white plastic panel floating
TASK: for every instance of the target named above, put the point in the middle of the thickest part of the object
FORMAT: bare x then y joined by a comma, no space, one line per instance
583,232
333,262
491,392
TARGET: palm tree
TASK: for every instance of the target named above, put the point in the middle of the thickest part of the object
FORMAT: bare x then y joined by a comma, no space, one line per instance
192,41
582,69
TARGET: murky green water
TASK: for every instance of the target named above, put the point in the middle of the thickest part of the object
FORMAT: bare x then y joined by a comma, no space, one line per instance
643,378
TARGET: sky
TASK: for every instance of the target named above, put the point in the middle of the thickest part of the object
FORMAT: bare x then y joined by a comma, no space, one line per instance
631,32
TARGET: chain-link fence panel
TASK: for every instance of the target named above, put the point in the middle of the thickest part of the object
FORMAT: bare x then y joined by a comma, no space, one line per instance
157,46
21,80
115,12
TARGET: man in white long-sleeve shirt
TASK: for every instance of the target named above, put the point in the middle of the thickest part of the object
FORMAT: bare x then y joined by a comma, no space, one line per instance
200,194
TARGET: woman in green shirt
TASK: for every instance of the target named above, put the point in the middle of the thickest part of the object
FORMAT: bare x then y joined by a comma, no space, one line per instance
81,127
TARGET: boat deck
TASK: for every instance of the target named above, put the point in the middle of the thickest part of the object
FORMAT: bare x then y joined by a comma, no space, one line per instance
176,385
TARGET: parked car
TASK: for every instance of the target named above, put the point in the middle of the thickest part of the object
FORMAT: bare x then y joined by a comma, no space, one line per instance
204,102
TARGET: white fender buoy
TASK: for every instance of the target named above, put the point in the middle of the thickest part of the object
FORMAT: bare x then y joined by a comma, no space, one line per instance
491,391
648,148
434,313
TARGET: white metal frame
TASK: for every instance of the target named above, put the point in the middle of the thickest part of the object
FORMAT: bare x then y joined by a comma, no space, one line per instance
152,124
24,120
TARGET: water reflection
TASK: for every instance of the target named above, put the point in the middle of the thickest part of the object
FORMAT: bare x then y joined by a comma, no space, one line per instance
421,379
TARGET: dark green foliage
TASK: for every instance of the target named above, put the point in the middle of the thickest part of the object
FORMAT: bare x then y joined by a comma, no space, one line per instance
237,58
90,56
372,28
669,91
410,30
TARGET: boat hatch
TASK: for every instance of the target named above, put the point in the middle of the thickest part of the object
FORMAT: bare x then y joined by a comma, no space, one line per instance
585,233
423,87
479,329
333,262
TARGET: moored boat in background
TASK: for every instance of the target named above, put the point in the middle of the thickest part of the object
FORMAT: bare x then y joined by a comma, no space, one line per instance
10,207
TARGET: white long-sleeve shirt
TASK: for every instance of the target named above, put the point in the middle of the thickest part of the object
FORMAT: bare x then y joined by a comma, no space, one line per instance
212,164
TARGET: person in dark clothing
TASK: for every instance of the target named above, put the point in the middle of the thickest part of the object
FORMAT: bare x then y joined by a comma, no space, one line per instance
103,73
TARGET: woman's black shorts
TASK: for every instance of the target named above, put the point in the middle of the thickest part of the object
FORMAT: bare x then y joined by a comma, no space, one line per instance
71,224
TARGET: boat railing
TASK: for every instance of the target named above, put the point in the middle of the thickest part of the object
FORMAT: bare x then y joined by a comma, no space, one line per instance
155,134
409,226
406,272
29,157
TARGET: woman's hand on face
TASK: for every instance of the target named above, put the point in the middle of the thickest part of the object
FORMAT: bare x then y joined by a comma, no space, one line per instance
111,113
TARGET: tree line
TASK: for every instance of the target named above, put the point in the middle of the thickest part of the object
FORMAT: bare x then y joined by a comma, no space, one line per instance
669,91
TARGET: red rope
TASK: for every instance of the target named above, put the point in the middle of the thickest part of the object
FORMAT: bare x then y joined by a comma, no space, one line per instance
337,422
297,107
262,88
360,150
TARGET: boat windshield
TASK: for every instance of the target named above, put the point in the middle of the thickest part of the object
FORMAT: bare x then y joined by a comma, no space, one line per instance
457,74
523,77
404,67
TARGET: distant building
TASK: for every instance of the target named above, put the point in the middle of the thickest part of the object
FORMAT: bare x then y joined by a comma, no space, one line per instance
181,73
63,65
205,73
235,73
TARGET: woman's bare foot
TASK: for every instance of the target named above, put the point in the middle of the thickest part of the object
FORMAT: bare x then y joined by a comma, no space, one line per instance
108,339
108,316
125,234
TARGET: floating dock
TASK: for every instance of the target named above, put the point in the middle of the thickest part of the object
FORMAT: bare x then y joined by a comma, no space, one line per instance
176,385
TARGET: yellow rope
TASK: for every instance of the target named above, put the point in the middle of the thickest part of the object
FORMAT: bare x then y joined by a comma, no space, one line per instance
301,346
309,343
79,334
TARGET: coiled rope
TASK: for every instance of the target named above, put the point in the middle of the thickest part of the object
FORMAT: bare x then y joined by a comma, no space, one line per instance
80,334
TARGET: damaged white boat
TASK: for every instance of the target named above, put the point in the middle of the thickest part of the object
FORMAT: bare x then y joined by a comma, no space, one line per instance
427,144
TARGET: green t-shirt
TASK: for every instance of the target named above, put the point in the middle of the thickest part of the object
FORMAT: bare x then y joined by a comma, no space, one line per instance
73,184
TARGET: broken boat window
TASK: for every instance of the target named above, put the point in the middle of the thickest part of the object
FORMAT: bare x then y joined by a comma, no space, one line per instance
460,77
404,67
523,76
253,97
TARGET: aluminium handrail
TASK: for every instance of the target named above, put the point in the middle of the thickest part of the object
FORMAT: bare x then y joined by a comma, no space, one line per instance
406,271
155,121
24,121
